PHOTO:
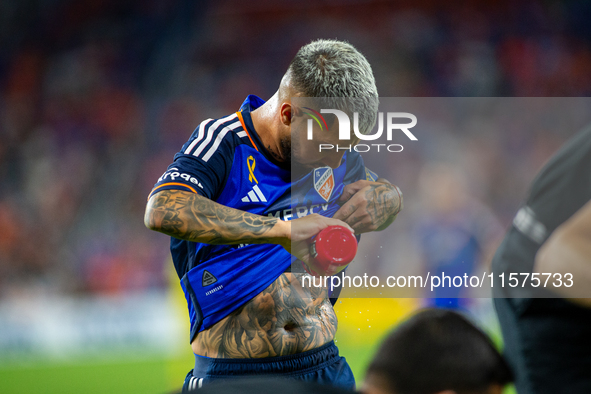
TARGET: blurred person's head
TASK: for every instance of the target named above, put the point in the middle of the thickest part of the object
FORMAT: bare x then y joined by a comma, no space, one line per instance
437,351
340,77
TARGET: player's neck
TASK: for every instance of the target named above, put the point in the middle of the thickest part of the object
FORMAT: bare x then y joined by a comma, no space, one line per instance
263,119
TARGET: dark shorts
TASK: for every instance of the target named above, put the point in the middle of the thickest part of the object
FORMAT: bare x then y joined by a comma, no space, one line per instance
321,365
547,344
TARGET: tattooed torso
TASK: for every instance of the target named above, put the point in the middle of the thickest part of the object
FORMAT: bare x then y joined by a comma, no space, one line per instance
284,319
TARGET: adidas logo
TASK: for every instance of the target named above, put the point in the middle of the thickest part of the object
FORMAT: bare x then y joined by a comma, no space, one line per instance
208,279
255,195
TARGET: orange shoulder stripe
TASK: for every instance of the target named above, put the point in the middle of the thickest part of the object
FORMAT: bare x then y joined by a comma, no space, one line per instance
171,183
246,130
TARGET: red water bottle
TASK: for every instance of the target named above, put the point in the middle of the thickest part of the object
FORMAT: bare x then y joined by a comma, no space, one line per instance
332,250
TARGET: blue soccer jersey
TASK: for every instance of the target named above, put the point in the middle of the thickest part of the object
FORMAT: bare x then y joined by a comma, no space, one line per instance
225,161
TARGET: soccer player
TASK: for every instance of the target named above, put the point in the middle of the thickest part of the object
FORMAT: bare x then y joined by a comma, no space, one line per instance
547,340
437,351
226,203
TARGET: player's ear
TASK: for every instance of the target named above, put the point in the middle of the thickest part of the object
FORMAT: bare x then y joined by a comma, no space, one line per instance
286,112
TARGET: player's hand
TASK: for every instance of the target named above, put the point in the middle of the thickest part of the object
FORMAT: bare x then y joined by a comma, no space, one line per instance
303,229
369,206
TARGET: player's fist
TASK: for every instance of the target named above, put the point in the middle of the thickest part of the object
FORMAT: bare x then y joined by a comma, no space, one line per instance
369,206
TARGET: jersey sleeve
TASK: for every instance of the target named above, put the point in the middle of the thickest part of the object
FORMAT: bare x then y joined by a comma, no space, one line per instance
204,162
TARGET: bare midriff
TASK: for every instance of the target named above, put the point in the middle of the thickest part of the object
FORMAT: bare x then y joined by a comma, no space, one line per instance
283,319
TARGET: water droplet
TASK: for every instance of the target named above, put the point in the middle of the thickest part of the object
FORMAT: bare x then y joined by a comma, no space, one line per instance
359,329
369,326
380,246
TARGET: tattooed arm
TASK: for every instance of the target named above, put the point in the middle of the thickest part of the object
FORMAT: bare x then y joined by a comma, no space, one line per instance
370,206
192,217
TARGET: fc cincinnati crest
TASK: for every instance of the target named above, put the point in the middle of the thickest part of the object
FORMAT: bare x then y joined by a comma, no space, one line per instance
324,182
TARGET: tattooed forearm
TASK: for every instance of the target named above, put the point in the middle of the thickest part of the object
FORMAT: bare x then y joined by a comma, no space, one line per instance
195,218
285,318
384,204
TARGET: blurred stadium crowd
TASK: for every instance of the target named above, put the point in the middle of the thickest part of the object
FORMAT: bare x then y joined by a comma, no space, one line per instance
97,96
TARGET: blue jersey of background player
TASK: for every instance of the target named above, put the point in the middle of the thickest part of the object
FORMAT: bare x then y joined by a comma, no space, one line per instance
226,202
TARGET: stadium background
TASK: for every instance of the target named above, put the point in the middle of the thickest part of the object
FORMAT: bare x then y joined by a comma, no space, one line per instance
97,96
